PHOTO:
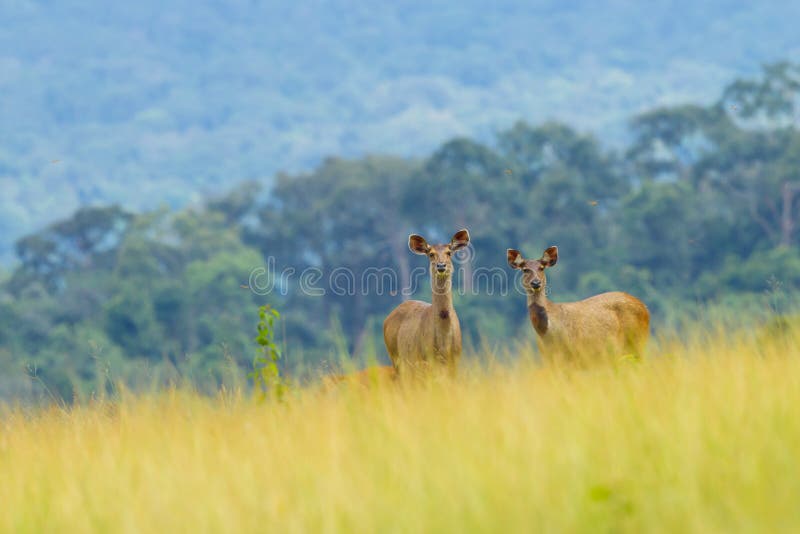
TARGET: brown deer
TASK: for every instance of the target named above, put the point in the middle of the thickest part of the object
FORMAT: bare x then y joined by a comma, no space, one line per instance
609,324
421,337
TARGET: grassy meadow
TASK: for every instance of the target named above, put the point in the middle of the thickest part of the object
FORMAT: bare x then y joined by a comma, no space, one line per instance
701,436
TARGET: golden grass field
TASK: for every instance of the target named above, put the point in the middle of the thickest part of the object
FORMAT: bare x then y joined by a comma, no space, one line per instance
698,437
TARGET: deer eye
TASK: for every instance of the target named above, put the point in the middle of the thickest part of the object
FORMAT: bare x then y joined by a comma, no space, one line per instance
526,271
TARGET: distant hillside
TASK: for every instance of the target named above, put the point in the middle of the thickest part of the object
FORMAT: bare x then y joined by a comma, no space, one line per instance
160,102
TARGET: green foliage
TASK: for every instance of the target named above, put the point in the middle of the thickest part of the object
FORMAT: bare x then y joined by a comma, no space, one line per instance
131,323
773,96
165,301
266,375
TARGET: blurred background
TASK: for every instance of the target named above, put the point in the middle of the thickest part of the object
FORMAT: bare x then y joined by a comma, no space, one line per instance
152,154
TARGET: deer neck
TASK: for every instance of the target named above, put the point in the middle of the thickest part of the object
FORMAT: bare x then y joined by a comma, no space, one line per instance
442,300
539,309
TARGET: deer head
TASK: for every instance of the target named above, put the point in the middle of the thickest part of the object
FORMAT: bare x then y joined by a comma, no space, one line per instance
439,256
533,277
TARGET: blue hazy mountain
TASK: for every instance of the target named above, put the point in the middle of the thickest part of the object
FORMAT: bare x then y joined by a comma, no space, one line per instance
147,103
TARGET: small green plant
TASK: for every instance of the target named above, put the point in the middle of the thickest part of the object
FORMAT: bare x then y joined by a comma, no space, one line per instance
266,375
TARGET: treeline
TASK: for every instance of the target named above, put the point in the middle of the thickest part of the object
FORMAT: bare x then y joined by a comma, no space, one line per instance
702,206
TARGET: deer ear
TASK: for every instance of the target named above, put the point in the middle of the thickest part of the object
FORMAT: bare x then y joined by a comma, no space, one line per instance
460,240
417,244
550,256
515,259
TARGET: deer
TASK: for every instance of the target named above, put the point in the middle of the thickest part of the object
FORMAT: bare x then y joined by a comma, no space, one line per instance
422,337
605,325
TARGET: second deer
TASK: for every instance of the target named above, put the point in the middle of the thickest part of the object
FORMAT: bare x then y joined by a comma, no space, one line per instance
609,324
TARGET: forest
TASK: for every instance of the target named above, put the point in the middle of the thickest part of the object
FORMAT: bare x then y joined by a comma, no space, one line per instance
699,209
186,99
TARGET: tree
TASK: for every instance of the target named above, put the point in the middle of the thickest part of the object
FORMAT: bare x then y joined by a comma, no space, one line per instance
462,185
91,236
345,218
772,99
566,193
762,161
669,142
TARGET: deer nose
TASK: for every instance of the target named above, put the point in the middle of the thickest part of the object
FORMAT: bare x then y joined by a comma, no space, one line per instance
536,284
441,267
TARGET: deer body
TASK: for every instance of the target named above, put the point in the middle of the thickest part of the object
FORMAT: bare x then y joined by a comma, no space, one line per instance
421,337
612,323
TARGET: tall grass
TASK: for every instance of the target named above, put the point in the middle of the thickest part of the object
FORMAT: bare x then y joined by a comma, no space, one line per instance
699,437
